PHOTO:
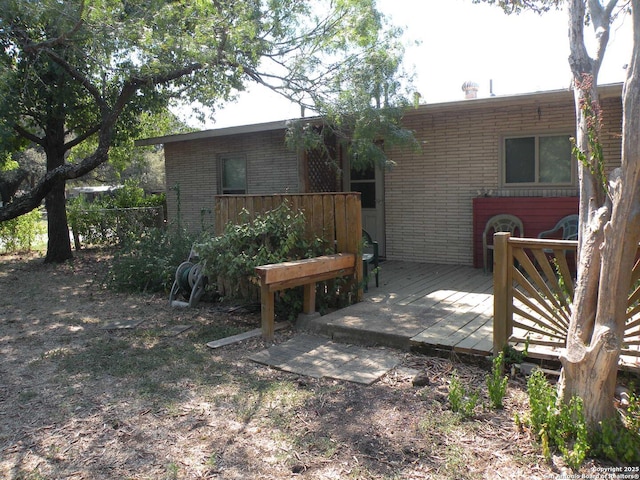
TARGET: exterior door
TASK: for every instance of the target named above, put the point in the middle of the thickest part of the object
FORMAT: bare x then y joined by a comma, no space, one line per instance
370,184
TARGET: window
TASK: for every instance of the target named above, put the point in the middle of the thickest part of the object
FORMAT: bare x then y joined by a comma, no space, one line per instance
364,181
538,160
233,175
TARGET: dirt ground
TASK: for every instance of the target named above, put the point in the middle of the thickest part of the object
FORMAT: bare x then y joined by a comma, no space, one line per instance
78,401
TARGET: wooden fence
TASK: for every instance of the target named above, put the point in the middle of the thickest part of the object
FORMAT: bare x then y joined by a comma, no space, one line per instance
533,285
334,217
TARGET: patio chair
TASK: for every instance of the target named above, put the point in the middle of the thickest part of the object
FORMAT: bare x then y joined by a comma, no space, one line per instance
369,256
565,229
499,223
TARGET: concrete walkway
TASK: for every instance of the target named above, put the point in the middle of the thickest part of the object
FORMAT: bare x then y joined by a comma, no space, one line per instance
319,357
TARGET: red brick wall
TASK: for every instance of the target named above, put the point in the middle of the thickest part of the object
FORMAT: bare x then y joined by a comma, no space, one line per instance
537,214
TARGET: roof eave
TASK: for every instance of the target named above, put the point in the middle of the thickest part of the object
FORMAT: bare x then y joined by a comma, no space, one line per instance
608,90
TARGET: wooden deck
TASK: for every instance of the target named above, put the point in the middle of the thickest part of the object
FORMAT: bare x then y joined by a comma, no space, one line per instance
458,299
454,306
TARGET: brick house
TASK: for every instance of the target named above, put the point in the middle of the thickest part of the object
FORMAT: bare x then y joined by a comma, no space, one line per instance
479,157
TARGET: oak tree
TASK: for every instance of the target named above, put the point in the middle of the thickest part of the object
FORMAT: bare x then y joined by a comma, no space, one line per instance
81,71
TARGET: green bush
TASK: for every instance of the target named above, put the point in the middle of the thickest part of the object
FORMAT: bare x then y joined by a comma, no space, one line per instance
618,439
460,400
114,219
497,382
20,233
273,237
149,264
555,424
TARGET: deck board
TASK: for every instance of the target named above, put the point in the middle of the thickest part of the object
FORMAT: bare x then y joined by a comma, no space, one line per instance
459,297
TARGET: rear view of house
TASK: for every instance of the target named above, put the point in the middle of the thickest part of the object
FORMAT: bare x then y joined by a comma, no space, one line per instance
479,157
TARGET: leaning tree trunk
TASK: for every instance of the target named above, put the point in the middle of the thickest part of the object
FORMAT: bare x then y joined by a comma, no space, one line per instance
610,230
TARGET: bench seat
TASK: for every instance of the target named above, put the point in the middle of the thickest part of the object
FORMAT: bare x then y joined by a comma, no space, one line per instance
306,272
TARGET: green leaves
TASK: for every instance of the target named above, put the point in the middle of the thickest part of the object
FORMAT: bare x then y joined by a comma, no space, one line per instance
80,75
517,6
497,382
559,425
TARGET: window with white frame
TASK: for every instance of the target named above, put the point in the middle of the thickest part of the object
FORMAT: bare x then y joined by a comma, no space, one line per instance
538,160
233,174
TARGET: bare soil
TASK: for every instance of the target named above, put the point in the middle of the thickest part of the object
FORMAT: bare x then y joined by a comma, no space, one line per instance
78,401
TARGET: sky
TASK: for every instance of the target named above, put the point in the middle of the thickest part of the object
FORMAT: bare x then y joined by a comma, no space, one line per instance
460,42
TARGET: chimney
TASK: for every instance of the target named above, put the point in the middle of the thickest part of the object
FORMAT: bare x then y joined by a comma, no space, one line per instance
470,89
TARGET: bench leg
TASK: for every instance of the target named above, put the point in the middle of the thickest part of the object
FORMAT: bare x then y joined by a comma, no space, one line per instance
309,302
267,312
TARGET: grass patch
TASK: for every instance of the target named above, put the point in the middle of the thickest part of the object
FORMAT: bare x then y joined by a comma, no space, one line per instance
211,332
27,395
456,465
150,366
442,424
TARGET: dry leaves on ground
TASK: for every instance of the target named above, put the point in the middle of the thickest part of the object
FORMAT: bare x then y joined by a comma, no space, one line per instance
81,402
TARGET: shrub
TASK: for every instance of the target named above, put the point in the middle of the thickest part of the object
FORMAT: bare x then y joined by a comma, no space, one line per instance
497,382
114,219
555,424
460,400
19,234
272,237
149,264
619,439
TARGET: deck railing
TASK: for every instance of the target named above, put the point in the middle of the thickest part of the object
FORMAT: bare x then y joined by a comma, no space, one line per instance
533,285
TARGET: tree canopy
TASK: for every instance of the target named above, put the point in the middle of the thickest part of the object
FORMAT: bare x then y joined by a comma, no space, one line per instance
81,72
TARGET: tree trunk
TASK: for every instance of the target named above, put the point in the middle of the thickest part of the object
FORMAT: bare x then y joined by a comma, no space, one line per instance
609,235
59,244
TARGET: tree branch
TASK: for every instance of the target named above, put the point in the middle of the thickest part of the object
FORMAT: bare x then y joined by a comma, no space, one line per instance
60,39
81,138
79,77
28,135
163,78
601,18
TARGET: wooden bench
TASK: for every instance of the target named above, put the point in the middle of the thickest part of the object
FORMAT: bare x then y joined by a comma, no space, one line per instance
279,276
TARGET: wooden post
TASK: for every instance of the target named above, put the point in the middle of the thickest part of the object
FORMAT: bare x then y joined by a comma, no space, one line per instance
500,291
267,311
309,301
354,237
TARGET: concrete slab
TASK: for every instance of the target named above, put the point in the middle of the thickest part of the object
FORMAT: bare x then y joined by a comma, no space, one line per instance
319,357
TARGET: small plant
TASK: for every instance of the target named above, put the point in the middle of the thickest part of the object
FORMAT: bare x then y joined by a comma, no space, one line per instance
512,356
456,392
557,425
619,439
497,382
172,471
570,432
460,400
632,418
